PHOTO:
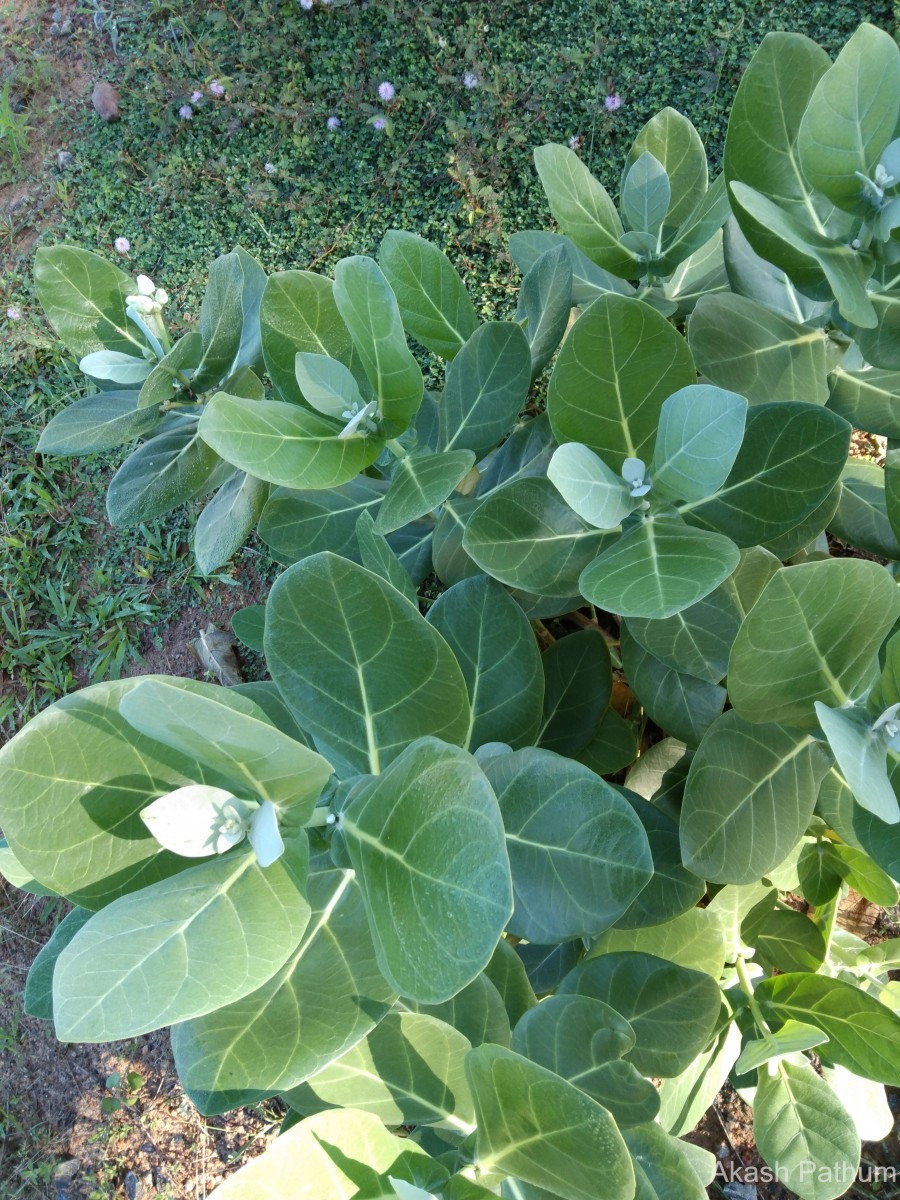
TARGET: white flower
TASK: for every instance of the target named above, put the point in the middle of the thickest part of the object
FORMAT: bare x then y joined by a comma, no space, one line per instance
358,420
470,80
197,821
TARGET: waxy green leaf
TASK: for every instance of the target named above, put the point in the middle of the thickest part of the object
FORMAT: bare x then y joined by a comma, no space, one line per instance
803,640
83,297
578,854
283,443
486,387
335,634
426,841
699,436
178,949
538,1127
495,646
615,369
408,1071
434,305
419,484
583,210
750,793
739,344
658,568
325,998
672,1009
369,308
525,535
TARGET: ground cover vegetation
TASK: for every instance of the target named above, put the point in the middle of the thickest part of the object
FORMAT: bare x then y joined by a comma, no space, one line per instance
429,910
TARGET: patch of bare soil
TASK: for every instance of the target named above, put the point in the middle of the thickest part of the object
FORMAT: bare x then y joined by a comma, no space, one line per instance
90,1122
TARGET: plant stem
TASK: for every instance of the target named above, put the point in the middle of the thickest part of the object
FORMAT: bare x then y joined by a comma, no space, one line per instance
747,988
396,449
319,818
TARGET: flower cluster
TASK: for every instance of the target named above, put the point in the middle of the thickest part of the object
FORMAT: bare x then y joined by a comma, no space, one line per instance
186,112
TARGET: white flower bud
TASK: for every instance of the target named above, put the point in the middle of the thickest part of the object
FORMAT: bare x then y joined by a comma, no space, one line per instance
141,304
145,285
161,296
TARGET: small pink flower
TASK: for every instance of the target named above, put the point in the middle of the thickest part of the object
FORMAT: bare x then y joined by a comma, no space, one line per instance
613,102
196,97
379,123
186,112
122,245
333,122
575,141
216,89
14,313
306,4
470,80
386,91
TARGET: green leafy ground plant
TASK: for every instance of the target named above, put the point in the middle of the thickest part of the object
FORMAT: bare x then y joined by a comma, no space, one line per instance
391,885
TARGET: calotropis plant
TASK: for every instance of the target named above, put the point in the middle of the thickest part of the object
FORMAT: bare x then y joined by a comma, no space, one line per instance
391,885
384,888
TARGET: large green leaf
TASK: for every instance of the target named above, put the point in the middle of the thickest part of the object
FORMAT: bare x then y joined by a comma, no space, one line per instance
646,193
759,280
369,308
697,640
477,1011
578,854
83,297
799,1123
857,826
229,319
345,1155
615,369
577,687
495,646
583,1040
803,640
233,736
658,568
672,891
750,794
686,1097
760,146
298,314
666,1168
421,481
72,785
177,949
433,302
861,518
296,524
172,467
844,266
170,373
789,462
864,1035
545,303
38,997
525,535
361,669
326,997
699,435
869,399
228,520
540,1128
588,280
97,422
588,486
861,756
486,387
283,443
672,1009
879,343
583,209
674,142
851,117
681,704
408,1071
741,345
692,939
426,841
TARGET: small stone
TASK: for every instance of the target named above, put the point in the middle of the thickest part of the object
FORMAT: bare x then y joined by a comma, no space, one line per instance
105,99
57,15
64,159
